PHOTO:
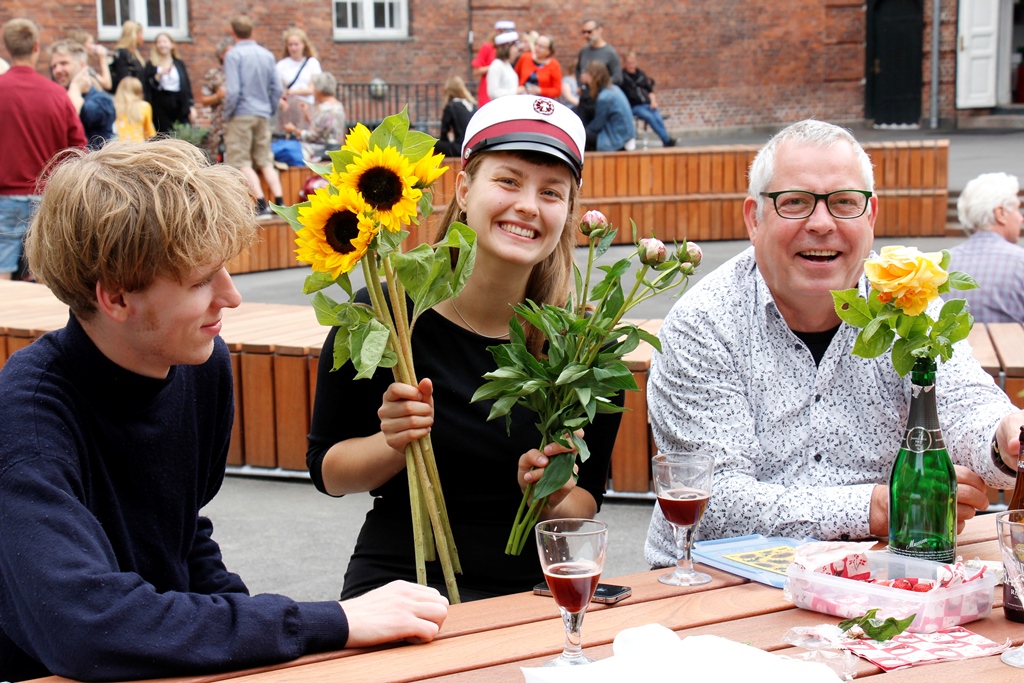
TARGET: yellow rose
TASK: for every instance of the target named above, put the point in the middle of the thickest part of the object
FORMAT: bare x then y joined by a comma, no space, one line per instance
907,277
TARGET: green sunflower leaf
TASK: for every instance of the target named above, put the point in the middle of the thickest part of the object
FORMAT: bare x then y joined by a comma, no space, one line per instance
290,214
316,281
391,132
417,145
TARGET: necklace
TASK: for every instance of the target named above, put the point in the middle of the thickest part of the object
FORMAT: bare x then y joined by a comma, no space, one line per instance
463,319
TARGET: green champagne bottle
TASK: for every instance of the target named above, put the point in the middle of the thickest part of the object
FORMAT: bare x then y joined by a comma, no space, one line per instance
922,487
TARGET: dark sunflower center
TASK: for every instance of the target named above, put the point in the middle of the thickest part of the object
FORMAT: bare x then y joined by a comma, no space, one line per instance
340,229
380,187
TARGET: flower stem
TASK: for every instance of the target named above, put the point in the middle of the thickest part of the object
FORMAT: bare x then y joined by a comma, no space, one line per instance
425,468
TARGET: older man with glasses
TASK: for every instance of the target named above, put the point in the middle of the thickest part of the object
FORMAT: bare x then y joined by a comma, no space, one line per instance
756,367
597,49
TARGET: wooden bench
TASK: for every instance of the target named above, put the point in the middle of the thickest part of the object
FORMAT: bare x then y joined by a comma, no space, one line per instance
275,349
692,193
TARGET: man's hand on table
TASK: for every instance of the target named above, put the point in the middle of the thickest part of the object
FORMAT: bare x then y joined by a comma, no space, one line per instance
971,496
1008,438
400,610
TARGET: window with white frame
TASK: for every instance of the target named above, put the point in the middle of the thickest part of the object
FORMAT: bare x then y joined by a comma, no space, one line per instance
156,16
371,19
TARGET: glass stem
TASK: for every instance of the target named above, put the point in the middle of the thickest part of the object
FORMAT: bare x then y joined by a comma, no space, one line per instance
684,539
573,640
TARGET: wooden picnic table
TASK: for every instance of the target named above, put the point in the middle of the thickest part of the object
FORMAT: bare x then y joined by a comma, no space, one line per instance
489,640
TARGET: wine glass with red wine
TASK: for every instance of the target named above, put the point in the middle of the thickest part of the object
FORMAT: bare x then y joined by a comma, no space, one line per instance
572,557
682,482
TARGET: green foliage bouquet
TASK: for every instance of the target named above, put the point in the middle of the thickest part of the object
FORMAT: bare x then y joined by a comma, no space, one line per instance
581,368
379,182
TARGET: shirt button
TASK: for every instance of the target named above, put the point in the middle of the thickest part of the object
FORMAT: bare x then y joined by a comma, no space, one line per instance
844,537
817,397
817,457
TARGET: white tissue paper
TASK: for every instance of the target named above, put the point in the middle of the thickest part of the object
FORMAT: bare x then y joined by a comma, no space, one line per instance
657,652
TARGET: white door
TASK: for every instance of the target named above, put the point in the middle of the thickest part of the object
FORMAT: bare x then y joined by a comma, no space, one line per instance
977,40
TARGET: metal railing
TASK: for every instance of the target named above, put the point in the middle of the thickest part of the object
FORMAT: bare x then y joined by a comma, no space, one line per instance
370,103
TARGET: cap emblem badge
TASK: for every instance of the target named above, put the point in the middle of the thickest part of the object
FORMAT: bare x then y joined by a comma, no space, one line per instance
543,106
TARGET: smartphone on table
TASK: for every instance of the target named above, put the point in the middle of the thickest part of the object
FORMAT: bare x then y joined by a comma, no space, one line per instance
606,593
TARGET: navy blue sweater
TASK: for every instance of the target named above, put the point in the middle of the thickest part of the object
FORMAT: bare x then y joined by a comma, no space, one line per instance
107,571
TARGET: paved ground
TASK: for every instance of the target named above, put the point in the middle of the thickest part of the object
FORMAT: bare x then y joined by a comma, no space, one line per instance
285,537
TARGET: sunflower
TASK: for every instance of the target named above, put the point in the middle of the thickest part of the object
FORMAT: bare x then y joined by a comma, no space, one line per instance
386,182
358,139
336,231
428,169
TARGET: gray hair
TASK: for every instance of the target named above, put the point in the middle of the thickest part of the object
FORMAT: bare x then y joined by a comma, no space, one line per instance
325,84
75,50
977,203
223,45
808,131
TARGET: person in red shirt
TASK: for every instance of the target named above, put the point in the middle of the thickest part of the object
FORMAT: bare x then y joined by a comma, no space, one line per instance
38,121
540,73
484,58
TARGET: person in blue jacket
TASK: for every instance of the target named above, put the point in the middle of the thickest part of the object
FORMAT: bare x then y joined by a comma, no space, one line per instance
612,125
114,433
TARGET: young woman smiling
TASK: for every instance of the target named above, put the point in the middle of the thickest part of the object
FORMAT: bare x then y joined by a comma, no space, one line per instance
518,190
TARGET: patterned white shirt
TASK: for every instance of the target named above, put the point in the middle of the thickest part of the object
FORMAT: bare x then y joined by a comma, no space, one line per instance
798,448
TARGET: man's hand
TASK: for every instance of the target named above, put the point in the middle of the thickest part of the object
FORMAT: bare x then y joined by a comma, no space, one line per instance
971,495
1008,438
398,611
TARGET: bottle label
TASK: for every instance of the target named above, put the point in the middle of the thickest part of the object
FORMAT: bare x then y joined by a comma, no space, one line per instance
919,440
944,556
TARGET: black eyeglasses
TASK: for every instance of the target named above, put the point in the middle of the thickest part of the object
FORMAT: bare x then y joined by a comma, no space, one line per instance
797,204
587,31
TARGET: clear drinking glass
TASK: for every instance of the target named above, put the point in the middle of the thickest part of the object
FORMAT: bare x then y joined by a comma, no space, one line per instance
1010,534
572,557
682,482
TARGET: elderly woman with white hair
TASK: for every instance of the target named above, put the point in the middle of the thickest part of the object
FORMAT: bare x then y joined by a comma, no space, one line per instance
327,126
989,210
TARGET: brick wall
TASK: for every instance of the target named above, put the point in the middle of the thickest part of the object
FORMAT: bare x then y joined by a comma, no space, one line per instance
721,63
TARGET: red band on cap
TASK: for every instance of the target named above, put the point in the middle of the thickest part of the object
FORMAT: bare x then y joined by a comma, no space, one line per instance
524,126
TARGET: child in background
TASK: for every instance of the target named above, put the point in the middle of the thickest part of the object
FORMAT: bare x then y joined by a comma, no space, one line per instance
134,121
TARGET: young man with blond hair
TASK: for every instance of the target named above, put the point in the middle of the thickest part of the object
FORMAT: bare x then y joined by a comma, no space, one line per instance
114,434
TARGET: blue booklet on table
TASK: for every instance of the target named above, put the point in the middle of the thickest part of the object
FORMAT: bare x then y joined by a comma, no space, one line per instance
759,558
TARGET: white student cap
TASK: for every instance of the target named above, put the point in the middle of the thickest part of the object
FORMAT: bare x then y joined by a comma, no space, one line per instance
527,123
509,37
504,26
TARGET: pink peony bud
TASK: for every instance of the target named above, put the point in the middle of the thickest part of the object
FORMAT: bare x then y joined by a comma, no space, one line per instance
652,251
593,220
686,269
691,253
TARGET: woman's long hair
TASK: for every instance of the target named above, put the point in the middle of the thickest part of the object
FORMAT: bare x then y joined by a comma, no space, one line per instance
130,32
551,278
455,88
128,99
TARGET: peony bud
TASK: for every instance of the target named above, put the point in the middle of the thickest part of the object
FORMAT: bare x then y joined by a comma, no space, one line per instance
652,251
686,269
593,220
692,254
